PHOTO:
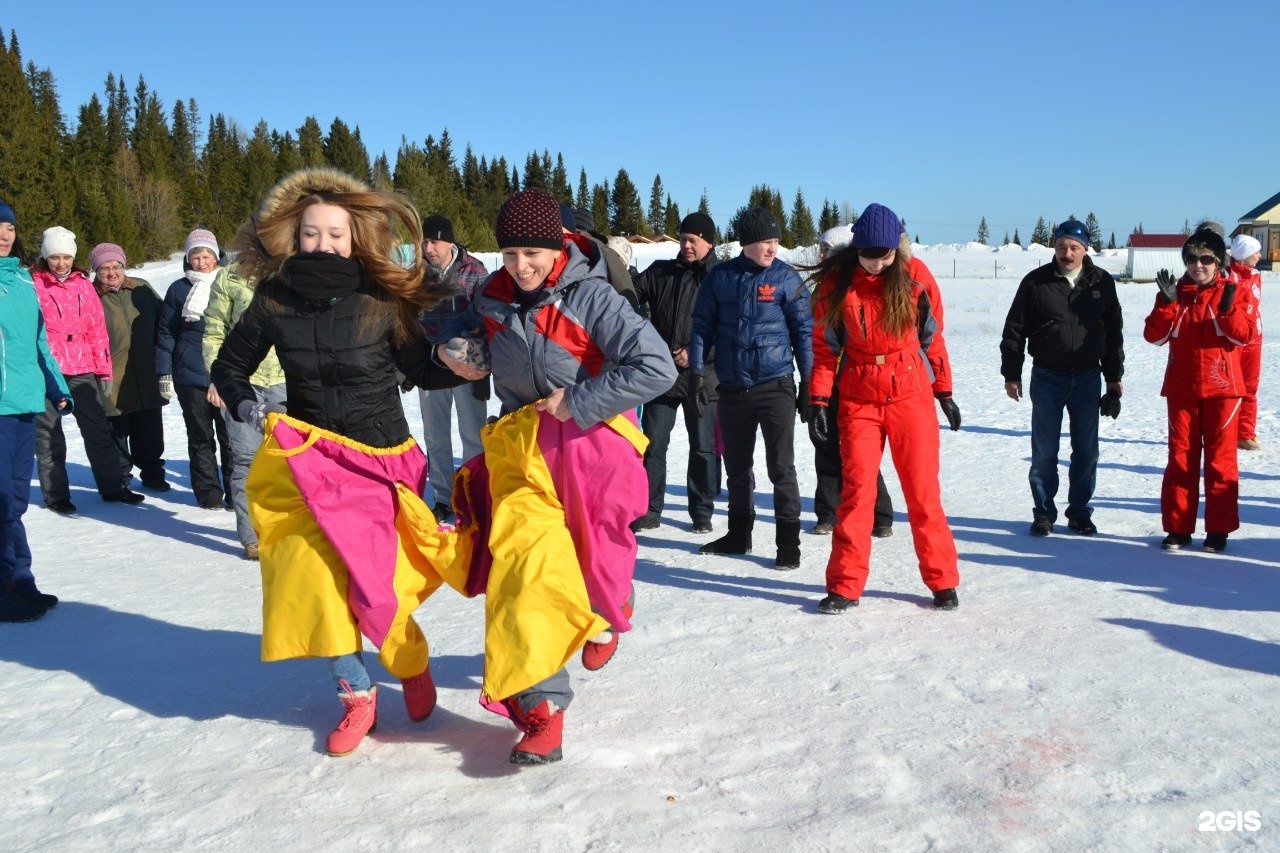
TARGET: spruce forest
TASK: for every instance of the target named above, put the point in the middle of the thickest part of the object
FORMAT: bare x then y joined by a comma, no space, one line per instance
132,171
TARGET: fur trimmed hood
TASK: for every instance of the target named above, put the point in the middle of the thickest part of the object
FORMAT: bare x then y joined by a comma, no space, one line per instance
255,257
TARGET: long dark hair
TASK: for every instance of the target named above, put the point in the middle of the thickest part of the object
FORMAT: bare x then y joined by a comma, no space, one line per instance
839,268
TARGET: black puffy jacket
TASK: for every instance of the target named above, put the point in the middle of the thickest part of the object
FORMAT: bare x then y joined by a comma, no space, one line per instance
1072,330
338,353
669,289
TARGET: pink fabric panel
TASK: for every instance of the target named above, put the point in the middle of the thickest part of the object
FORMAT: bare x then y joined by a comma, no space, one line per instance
601,482
351,495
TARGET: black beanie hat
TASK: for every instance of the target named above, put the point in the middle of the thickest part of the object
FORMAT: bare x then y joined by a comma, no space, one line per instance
700,224
756,225
1212,241
530,219
437,227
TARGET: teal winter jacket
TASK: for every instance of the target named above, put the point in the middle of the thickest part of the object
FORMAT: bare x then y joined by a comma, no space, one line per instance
28,373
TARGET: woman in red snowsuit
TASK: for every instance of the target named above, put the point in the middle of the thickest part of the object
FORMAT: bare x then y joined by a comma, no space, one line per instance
874,319
1205,320
1245,254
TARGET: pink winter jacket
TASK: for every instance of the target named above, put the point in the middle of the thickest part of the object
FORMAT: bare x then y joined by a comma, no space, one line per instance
75,324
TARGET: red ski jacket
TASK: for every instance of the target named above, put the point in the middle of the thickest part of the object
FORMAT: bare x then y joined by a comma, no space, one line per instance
1204,346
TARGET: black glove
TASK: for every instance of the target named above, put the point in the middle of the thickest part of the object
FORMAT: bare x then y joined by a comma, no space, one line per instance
1228,297
697,394
802,401
1168,286
1109,405
819,425
480,389
951,410
254,413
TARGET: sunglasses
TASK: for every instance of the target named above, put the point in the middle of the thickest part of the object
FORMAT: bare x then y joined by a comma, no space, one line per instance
874,253
1071,231
1203,260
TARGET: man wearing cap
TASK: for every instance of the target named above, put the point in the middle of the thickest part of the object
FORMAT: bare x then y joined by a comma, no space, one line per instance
581,221
1245,254
669,289
1067,315
752,317
462,271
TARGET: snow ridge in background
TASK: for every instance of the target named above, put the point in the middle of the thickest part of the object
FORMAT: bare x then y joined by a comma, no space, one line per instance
1088,694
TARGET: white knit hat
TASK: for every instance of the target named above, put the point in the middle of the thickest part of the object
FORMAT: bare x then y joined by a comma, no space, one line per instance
58,241
201,239
622,246
1244,246
838,237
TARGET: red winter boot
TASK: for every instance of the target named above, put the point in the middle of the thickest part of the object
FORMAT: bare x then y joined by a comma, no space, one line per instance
361,717
419,696
543,730
600,648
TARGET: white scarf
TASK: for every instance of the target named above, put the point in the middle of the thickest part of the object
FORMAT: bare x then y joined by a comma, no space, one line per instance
198,298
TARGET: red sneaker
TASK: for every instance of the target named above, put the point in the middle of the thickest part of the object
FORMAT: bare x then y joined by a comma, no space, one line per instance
595,653
419,696
361,717
543,732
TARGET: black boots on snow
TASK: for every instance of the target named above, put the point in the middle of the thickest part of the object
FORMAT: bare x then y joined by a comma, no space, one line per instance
737,540
787,538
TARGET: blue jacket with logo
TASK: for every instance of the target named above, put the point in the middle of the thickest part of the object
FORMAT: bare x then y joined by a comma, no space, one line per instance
758,321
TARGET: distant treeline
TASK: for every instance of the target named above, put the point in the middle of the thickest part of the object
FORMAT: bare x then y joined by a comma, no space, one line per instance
135,174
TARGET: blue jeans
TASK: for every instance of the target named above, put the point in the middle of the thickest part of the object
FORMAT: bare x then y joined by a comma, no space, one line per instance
1078,393
350,668
702,477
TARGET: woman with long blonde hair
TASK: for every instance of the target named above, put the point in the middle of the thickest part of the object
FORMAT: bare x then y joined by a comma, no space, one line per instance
325,487
876,333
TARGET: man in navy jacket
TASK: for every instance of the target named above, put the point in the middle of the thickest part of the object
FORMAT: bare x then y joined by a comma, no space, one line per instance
754,312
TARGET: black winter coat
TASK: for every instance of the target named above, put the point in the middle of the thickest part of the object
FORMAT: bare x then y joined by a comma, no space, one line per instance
669,289
338,353
1072,330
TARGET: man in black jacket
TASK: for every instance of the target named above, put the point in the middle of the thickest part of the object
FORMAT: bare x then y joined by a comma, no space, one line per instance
669,289
1067,315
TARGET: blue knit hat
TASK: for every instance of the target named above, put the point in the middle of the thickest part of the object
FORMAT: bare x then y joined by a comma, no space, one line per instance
1073,229
877,228
7,215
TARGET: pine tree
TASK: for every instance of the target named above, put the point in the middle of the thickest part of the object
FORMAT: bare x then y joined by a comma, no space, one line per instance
1040,234
343,149
1006,239
1017,239
535,177
259,169
288,156
1112,243
22,155
802,228
381,172
600,210
983,234
828,219
560,181
470,174
628,215
583,198
657,210
671,223
311,143
1095,231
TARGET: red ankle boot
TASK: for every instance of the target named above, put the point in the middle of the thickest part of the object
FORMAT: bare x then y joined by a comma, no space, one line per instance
543,732
361,717
419,696
599,649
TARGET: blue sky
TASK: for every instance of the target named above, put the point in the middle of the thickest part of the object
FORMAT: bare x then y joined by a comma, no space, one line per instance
1138,111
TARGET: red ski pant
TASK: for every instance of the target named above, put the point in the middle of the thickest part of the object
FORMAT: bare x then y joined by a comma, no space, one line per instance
1251,369
910,425
1208,429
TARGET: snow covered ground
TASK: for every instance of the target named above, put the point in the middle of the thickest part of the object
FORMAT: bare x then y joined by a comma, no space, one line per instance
1088,694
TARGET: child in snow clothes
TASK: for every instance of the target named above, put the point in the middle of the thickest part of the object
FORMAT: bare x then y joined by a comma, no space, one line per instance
560,337
78,338
229,296
1245,254
754,312
874,319
132,312
181,368
1205,319
322,491
29,378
